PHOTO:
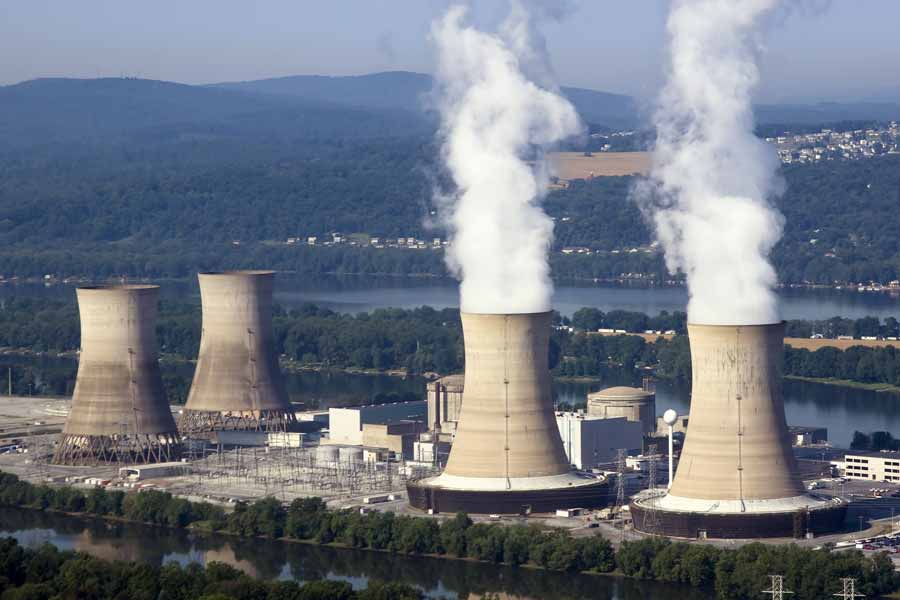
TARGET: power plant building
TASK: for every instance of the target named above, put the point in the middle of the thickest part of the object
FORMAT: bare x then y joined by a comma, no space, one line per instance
507,455
119,410
737,476
634,404
237,384
590,442
444,397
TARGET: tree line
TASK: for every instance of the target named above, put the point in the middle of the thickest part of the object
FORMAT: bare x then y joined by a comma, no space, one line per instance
47,573
423,340
732,573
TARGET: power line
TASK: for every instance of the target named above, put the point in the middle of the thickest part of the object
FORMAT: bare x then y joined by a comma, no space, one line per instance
777,590
849,589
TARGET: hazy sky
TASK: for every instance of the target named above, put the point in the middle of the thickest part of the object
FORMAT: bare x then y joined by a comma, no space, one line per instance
843,49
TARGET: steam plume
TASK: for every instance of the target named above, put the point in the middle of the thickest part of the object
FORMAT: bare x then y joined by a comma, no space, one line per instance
712,178
499,111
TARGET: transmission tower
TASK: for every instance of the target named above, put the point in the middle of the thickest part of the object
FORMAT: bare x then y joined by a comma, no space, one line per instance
651,516
849,592
620,489
620,480
777,590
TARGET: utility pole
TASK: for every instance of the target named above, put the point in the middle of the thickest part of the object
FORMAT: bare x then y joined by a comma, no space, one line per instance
849,589
620,489
777,590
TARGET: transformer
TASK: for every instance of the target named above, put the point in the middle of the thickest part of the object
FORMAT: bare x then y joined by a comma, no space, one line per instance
507,455
237,383
737,477
119,409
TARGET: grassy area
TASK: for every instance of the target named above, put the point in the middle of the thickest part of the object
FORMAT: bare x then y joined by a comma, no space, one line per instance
875,387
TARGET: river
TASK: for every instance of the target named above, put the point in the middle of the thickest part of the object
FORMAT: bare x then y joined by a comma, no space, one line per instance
366,293
270,560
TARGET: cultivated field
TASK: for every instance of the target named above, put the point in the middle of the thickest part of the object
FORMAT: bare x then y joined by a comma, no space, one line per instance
841,344
575,165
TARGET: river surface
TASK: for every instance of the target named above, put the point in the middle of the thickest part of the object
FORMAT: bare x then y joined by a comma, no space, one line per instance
365,293
270,560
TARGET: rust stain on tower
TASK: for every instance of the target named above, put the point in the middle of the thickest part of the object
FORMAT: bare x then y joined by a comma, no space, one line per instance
119,409
237,384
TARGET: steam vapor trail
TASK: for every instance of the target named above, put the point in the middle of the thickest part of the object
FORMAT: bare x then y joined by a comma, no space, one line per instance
499,111
712,178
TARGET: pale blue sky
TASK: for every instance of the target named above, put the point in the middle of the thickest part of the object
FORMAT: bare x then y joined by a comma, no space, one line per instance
843,49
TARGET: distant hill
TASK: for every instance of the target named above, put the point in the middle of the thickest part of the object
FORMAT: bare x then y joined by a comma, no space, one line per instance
406,90
48,111
45,111
402,90
826,112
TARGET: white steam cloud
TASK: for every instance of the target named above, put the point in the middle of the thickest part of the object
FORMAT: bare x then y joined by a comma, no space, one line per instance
712,178
499,112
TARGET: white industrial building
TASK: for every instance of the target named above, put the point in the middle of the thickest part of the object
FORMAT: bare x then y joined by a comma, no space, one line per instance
873,466
345,425
591,441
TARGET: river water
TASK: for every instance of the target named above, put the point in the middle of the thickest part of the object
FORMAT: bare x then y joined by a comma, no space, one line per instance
366,293
271,560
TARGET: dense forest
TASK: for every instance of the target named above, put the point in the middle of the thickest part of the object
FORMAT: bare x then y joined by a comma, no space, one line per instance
733,574
158,218
129,177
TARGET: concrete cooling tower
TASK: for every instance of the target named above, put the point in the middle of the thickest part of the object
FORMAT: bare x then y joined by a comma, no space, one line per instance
737,477
237,384
119,410
507,456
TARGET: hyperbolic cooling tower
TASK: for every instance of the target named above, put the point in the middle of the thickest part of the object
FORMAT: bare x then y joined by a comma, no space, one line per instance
737,476
119,409
507,455
237,383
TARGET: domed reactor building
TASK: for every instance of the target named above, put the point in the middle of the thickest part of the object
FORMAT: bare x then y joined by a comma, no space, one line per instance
119,409
507,455
737,476
237,384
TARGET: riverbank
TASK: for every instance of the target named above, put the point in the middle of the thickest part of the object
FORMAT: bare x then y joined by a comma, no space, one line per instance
457,538
848,383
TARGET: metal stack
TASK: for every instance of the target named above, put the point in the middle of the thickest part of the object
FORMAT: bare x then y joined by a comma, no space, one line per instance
119,409
238,384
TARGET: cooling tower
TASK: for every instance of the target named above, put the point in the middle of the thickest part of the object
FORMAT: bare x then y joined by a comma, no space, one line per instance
507,455
237,383
737,477
119,410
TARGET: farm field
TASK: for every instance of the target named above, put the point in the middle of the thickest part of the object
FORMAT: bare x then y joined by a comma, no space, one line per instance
575,165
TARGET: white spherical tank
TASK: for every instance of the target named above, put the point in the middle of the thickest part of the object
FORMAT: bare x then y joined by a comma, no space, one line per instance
670,417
